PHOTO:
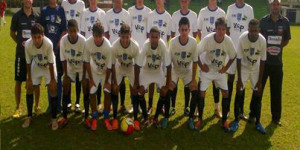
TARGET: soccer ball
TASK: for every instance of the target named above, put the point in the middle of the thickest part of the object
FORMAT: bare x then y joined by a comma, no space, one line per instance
127,126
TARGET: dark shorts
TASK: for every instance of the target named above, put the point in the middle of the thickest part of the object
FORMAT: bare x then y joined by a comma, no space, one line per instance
59,67
20,69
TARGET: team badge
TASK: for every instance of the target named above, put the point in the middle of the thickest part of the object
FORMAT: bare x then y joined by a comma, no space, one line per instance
92,19
40,57
52,18
125,56
212,20
117,21
239,16
217,52
153,57
140,18
251,51
99,55
183,55
72,13
160,23
73,52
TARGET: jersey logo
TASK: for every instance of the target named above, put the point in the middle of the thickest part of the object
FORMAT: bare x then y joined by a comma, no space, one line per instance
72,13
40,57
252,51
140,18
160,23
99,55
217,52
73,52
117,21
125,56
153,57
212,20
92,19
239,16
52,18
183,55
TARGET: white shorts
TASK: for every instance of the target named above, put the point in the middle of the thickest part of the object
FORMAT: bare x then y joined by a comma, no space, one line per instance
218,78
38,72
252,76
186,78
232,69
121,73
72,75
146,78
100,78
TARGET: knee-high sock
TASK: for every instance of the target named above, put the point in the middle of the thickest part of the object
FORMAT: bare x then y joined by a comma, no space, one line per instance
114,99
187,94
225,109
216,93
242,102
99,94
252,107
59,91
142,103
167,104
54,107
135,101
150,102
160,104
78,90
194,103
201,108
86,103
237,104
257,101
173,96
29,102
65,104
230,88
122,93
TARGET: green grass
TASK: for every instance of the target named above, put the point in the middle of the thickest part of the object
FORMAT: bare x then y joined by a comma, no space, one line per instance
176,136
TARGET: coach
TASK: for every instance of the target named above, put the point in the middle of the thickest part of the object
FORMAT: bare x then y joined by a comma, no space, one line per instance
276,29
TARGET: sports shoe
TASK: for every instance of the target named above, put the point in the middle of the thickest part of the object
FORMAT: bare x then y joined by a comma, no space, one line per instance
136,125
115,125
234,126
243,117
164,123
38,111
198,125
260,128
100,109
149,111
62,123
163,110
27,122
77,108
69,107
187,111
107,125
156,123
277,122
94,124
172,111
191,124
218,113
87,123
123,109
54,124
225,126
17,113
130,110
145,123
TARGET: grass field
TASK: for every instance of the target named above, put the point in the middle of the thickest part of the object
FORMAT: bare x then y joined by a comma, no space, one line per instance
176,136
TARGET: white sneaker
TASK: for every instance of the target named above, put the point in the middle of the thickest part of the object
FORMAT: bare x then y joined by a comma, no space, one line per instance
54,124
130,110
100,108
27,122
218,113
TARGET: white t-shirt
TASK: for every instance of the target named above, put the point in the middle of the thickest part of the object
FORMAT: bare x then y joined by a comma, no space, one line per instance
73,10
251,53
183,56
40,56
114,20
72,52
139,19
162,21
151,60
214,52
89,18
207,19
238,20
99,57
125,58
177,15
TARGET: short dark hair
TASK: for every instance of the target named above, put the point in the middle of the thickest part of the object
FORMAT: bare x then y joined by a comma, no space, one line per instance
253,22
125,29
72,23
184,21
98,29
154,29
37,29
220,22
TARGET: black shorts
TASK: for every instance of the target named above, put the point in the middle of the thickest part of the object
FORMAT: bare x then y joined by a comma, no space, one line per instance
20,69
59,67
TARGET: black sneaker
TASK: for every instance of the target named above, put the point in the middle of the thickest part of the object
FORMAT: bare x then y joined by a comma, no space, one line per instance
187,111
243,117
172,111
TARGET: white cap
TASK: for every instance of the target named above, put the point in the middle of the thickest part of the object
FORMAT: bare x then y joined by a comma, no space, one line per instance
271,1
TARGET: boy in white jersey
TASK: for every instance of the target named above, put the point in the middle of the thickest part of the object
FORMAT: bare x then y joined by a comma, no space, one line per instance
149,70
251,56
238,16
217,47
192,17
40,61
125,52
206,24
71,55
98,67
184,60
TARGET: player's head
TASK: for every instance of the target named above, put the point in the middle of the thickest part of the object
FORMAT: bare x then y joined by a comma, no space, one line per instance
253,29
139,2
184,4
98,32
212,2
118,3
160,3
275,6
27,3
93,3
72,29
52,1
184,26
220,26
240,1
154,36
37,34
125,34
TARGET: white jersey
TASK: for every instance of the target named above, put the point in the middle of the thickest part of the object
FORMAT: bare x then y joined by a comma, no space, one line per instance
114,20
125,58
139,19
238,19
151,60
162,21
183,56
73,10
177,15
250,52
207,19
42,56
99,57
215,53
72,53
89,18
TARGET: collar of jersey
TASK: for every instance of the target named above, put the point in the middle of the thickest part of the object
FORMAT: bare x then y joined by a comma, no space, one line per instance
180,41
94,10
100,43
73,2
216,40
75,40
160,13
123,46
117,12
212,10
139,8
184,14
239,7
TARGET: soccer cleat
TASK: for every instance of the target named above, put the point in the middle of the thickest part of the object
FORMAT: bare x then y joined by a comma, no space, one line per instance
164,123
130,110
62,123
87,123
136,125
260,128
17,113
225,126
234,126
172,111
277,122
94,125
100,109
69,107
115,125
187,111
191,124
218,113
243,117
156,123
107,125
38,110
27,122
54,124
198,125
149,111
77,109
145,123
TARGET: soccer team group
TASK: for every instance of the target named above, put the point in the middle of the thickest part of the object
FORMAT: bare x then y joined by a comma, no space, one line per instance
97,50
